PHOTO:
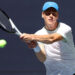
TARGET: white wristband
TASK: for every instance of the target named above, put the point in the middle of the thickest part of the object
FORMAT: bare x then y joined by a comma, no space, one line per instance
37,49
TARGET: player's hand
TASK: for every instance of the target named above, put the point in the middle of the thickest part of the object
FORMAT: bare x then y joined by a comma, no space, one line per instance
26,37
32,44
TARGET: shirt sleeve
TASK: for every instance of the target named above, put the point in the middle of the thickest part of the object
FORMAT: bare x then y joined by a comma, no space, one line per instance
65,31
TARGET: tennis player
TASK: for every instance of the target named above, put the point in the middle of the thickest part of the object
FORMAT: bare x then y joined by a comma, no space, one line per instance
53,44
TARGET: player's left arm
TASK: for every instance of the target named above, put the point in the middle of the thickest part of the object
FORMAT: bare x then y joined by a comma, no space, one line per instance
50,38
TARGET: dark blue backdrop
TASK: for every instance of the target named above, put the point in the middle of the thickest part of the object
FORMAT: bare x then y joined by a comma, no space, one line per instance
16,58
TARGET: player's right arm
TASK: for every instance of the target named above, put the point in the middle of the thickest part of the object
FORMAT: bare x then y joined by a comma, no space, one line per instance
41,55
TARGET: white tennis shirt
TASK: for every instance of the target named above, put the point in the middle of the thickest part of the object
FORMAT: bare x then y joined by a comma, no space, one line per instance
60,55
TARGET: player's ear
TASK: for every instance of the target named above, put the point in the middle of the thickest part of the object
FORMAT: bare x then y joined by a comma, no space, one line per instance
42,14
57,15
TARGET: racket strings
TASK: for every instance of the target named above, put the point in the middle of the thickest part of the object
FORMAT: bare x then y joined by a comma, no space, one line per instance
7,24
4,22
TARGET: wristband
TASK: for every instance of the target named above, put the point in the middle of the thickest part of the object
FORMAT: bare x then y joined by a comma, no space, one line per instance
37,49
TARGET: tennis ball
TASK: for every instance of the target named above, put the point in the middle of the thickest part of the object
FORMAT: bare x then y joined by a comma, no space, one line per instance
3,43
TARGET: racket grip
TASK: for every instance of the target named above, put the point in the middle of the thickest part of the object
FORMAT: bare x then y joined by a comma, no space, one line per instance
18,33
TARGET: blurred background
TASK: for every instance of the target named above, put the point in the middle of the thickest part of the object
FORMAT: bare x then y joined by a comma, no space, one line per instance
16,58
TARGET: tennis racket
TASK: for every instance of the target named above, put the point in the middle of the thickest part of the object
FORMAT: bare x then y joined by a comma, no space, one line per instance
7,25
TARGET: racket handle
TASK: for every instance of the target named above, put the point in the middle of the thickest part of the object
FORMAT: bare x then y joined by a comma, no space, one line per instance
18,33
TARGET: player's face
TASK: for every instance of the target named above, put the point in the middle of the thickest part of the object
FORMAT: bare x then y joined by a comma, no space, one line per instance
50,17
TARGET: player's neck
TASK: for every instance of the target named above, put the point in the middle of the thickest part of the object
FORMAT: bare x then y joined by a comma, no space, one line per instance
52,26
